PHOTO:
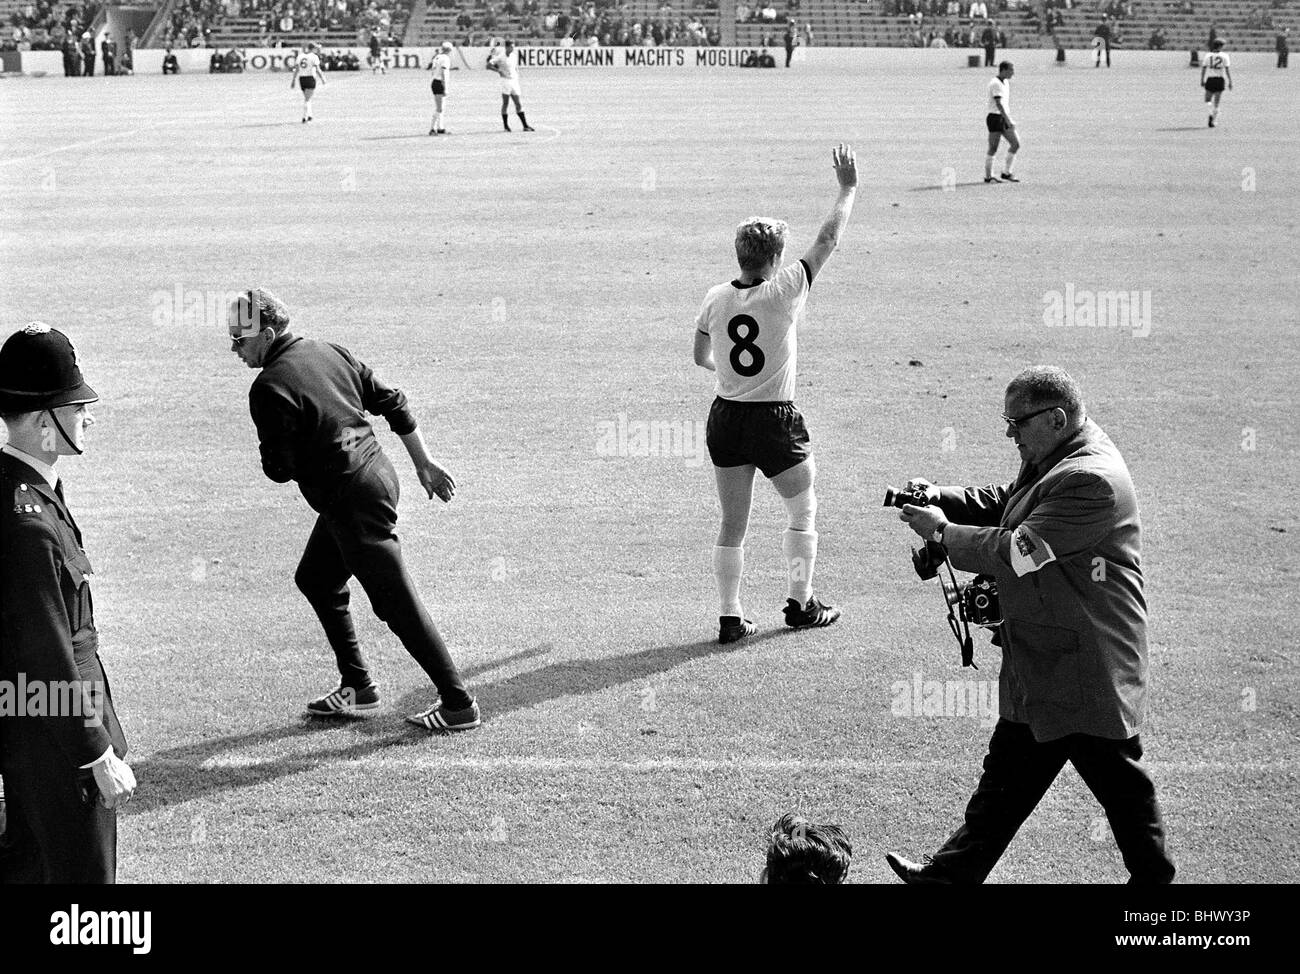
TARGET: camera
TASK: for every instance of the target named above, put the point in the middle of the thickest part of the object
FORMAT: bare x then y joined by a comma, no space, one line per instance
976,601
908,495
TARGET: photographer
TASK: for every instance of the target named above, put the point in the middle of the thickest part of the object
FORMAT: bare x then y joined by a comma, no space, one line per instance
1063,542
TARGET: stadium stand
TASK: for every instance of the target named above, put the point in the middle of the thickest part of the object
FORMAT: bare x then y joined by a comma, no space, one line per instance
538,23
41,26
287,23
1183,25
886,23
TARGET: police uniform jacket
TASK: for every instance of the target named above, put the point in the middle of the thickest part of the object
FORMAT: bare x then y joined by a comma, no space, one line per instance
1064,543
47,632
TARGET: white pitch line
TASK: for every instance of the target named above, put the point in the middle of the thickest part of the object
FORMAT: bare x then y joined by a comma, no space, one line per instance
852,765
81,145
264,97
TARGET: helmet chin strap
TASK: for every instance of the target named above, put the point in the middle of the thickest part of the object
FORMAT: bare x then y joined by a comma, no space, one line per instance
66,438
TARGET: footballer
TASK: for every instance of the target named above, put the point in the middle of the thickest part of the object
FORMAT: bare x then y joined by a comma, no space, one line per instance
998,121
745,333
376,57
306,69
1214,69
441,68
505,62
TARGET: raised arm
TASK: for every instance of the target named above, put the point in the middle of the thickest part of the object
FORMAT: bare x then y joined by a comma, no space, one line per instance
828,238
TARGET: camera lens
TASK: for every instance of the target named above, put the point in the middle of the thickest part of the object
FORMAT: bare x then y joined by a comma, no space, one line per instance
981,601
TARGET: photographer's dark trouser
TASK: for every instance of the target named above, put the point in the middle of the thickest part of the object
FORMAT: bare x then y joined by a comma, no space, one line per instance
1017,773
990,52
355,536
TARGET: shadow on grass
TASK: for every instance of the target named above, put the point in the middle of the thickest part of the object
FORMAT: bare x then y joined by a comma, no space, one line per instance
192,771
1185,128
949,186
584,676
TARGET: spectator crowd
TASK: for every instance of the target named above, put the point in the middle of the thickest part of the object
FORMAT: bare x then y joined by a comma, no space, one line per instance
45,26
593,23
193,21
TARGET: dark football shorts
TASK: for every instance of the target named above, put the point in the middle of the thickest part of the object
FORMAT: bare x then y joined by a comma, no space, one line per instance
1213,84
439,87
307,84
770,435
996,122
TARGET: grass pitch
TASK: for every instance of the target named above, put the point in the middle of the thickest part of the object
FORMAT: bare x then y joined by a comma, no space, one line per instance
529,291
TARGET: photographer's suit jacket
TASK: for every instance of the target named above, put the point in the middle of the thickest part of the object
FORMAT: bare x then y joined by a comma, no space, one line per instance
1064,543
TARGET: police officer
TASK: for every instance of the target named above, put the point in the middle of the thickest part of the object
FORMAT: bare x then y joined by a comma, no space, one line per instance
109,48
62,762
88,55
71,57
309,405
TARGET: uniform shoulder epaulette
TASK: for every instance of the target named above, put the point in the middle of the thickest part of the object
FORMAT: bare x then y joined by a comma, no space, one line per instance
26,500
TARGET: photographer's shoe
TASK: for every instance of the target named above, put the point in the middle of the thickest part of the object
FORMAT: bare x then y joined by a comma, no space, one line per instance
441,720
916,873
733,628
345,702
811,616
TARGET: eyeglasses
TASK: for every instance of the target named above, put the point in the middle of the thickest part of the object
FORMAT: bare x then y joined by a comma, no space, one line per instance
1017,423
240,341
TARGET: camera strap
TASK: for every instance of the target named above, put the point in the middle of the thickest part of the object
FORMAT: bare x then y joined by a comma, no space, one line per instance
957,619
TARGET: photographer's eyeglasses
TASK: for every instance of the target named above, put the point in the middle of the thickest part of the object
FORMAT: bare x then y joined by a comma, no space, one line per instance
239,342
1016,423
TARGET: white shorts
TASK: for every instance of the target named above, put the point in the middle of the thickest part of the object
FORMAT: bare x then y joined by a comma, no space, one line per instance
510,86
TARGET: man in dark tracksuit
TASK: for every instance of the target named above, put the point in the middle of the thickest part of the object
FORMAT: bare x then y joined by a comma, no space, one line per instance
309,406
63,770
989,41
1064,542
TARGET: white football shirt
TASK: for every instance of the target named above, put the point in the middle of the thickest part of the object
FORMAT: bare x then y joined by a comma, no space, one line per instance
308,64
752,329
1214,63
441,65
999,89
507,65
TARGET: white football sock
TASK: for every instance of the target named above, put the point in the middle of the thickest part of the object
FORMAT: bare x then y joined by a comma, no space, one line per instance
800,548
728,566
1011,161
988,165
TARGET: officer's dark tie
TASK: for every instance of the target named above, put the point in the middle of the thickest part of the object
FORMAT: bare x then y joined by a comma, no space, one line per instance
58,489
